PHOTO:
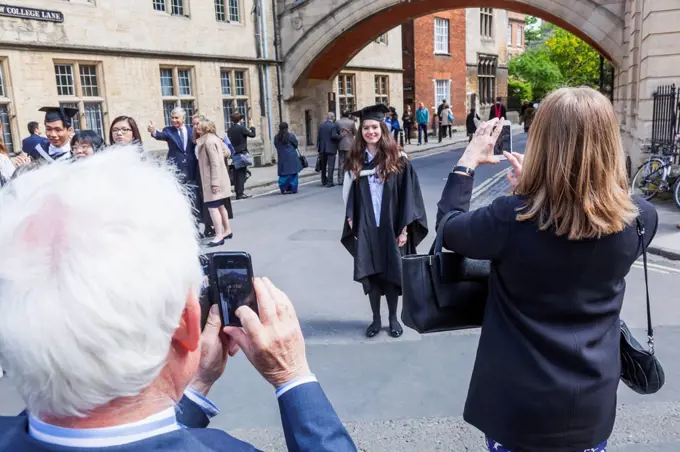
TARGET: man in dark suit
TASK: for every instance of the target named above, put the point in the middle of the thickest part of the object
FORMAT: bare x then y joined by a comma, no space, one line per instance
116,340
327,147
238,135
34,139
498,110
181,147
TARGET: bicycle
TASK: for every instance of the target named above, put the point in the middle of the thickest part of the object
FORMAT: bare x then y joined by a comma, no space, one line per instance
659,173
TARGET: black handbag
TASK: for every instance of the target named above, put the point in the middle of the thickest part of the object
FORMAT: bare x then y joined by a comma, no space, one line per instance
443,291
317,167
303,160
640,370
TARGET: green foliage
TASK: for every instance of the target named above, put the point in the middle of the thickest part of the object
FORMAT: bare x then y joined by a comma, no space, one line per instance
554,58
536,68
520,89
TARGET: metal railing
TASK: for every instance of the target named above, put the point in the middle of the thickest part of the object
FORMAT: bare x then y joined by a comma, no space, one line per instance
665,120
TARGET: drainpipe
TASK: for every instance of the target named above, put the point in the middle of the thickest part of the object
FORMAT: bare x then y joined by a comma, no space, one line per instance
277,40
265,69
258,53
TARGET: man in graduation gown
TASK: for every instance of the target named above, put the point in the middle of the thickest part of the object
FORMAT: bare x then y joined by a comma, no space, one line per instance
58,130
376,252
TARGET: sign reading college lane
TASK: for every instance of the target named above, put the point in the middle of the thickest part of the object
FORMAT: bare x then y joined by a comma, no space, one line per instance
31,13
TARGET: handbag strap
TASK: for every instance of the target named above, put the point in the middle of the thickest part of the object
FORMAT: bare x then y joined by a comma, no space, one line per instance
650,329
439,240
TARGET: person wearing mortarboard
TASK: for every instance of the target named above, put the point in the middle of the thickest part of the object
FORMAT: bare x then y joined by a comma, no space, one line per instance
385,215
58,130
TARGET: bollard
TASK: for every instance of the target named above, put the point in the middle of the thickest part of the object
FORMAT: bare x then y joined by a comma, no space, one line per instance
401,138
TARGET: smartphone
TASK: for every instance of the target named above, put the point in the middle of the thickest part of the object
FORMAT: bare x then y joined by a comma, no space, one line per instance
204,298
504,143
231,284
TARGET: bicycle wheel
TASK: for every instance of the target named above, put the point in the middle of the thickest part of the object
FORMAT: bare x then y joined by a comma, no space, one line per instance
649,179
676,193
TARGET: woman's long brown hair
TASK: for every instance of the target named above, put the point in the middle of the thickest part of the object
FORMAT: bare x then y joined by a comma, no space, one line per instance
574,173
387,159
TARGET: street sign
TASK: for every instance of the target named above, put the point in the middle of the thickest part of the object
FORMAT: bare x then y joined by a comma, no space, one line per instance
31,13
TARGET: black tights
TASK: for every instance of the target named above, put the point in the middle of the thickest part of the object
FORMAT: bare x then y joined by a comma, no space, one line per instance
391,292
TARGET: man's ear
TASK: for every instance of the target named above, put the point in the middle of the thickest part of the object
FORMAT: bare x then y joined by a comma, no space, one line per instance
188,333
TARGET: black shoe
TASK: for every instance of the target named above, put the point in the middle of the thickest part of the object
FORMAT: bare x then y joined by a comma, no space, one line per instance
331,185
228,237
374,328
395,328
214,244
242,197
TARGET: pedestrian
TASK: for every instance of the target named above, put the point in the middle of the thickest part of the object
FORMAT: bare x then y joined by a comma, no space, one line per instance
548,364
59,129
8,165
498,110
34,139
348,130
523,110
445,118
396,127
423,119
215,186
288,158
124,130
327,148
470,125
407,122
86,143
238,134
529,115
384,212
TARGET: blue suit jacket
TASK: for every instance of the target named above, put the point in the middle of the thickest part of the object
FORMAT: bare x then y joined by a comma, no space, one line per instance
28,144
183,158
309,423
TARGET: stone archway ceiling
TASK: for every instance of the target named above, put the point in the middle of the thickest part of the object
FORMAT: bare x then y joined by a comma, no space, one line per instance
331,32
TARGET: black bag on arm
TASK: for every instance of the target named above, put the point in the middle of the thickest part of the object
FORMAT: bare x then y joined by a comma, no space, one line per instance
640,370
443,291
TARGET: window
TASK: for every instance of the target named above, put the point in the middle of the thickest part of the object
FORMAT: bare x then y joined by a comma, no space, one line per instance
486,22
227,12
83,93
509,38
172,7
518,41
441,35
4,111
346,92
382,89
234,95
177,90
486,79
382,39
442,90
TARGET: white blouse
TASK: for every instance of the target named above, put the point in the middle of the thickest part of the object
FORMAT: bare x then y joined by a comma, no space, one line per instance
6,167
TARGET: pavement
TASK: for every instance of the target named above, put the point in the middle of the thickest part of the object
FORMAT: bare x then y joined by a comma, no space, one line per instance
667,240
404,394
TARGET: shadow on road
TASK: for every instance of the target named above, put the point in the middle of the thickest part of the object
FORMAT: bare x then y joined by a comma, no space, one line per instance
320,328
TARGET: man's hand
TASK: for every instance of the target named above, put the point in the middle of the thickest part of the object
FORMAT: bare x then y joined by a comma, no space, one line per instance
216,347
273,343
151,128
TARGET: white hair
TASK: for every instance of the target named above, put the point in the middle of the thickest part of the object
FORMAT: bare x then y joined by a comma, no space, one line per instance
179,111
98,258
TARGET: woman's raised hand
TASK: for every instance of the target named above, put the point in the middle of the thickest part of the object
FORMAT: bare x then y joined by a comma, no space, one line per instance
517,162
480,149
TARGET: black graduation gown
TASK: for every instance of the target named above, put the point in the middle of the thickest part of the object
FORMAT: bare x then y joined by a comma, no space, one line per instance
375,249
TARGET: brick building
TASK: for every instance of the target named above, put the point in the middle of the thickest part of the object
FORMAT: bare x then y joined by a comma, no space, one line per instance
434,61
515,38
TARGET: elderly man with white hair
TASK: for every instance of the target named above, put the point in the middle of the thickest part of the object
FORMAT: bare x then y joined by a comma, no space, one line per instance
100,331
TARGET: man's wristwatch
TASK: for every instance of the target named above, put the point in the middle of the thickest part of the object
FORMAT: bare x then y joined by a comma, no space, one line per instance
464,169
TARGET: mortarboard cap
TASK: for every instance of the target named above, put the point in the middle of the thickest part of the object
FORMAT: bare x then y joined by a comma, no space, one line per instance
374,112
64,114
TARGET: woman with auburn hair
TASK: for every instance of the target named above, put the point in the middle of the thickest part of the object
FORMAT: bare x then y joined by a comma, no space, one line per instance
548,363
384,211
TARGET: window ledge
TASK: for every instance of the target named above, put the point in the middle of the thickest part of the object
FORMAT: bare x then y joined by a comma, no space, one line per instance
226,23
443,54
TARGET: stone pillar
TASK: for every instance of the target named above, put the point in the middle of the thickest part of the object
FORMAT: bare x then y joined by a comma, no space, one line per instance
313,98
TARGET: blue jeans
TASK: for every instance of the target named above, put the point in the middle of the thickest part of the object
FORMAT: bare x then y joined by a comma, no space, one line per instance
422,129
498,447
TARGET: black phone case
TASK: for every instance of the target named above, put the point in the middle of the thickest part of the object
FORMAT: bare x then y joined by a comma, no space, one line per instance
214,285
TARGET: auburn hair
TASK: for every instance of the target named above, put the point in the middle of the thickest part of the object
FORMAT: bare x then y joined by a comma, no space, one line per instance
574,173
388,158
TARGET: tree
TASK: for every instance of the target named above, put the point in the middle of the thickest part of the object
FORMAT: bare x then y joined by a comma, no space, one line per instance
534,33
577,61
520,89
537,69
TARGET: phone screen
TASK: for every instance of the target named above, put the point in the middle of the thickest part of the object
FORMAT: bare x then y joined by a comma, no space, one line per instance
204,296
234,285
504,143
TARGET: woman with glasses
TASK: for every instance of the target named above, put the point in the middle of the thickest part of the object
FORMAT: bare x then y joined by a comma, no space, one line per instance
86,143
124,130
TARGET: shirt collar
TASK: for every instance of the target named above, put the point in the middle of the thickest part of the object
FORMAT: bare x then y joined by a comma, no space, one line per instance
157,424
369,157
54,150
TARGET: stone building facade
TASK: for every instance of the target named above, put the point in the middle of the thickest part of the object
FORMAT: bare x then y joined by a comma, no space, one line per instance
434,61
139,58
486,57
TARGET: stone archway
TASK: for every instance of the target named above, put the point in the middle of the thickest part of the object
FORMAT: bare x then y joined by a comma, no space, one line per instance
311,31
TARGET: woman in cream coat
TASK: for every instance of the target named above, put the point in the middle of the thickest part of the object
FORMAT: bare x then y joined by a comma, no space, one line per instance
215,182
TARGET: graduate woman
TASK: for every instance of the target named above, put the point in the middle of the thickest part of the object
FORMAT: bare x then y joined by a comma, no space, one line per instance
384,216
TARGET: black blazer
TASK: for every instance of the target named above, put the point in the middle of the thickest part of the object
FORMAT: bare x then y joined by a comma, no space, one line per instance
548,364
238,135
328,138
